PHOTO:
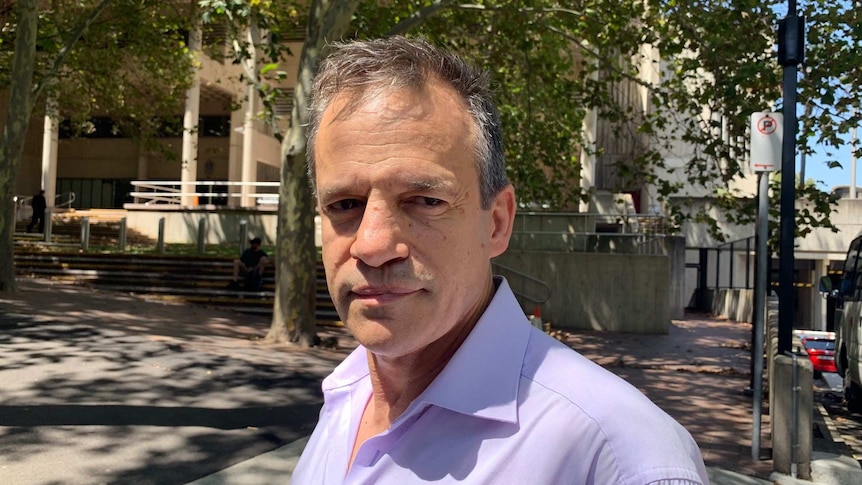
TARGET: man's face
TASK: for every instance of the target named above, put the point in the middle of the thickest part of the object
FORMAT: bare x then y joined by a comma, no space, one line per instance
406,244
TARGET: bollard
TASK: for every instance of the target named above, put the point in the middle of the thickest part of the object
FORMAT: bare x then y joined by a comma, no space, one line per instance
243,235
792,411
123,235
160,245
202,236
48,224
85,233
536,319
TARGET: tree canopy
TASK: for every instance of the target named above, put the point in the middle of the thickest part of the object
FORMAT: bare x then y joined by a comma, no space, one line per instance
702,67
126,58
705,66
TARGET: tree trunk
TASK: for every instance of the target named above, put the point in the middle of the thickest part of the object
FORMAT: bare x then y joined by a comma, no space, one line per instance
293,316
17,120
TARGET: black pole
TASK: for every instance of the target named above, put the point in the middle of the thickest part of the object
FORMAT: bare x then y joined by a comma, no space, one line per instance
703,265
732,256
791,44
717,267
748,263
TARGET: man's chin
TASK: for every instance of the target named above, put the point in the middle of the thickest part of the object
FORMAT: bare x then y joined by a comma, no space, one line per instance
376,336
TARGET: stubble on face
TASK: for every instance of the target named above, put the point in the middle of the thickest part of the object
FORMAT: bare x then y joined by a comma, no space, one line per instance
389,155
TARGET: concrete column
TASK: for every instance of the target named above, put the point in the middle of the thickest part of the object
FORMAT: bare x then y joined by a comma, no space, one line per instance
650,74
249,166
675,247
189,169
785,458
234,168
50,143
588,155
143,162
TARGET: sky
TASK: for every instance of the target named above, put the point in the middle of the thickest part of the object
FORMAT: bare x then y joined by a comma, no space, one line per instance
816,168
815,165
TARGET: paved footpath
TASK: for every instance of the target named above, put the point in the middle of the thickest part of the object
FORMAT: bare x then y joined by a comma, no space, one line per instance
101,387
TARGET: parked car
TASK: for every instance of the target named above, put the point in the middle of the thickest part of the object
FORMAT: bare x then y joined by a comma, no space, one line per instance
821,352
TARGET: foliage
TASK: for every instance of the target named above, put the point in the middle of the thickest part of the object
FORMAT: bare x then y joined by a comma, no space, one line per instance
131,62
676,81
123,57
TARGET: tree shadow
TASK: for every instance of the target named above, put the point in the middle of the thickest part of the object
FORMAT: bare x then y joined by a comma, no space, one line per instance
102,388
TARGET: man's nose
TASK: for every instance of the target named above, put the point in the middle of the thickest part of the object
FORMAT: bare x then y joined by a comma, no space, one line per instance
380,238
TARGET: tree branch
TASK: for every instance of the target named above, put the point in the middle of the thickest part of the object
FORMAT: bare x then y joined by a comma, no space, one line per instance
420,16
76,34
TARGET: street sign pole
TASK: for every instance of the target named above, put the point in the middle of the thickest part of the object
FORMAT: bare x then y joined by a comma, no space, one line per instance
767,131
762,232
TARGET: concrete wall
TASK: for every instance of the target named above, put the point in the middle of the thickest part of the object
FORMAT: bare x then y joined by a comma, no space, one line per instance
222,227
181,227
734,304
617,292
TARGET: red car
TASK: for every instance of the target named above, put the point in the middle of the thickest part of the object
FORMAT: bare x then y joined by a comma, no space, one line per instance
821,351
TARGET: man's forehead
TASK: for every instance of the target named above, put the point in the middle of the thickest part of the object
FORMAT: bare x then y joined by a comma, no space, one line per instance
400,181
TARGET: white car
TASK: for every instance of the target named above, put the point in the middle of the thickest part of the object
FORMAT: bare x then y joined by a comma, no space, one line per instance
848,326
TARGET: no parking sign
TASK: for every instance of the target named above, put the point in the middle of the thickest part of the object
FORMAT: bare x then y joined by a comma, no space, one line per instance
766,136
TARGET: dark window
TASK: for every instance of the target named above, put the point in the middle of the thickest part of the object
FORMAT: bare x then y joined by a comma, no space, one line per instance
214,125
95,127
851,282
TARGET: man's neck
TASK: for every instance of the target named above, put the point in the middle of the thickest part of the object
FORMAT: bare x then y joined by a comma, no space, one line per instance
397,381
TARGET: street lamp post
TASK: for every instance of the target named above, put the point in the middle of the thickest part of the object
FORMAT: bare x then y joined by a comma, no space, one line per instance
791,48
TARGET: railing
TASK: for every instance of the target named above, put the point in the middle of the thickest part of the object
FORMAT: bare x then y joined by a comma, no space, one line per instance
584,222
588,242
59,202
171,192
509,273
63,200
654,245
744,246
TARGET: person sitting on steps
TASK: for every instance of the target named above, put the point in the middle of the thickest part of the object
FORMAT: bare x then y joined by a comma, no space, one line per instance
250,266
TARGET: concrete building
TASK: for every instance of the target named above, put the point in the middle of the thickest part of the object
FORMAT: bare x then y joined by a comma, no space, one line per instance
226,156
217,143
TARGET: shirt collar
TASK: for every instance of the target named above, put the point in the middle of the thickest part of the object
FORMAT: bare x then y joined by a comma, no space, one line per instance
482,378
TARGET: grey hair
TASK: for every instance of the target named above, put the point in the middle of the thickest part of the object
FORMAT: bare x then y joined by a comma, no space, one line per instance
365,68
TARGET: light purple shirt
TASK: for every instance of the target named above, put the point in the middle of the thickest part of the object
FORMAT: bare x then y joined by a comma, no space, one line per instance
513,405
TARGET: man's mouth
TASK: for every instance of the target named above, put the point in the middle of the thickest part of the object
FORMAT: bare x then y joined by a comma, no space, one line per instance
381,294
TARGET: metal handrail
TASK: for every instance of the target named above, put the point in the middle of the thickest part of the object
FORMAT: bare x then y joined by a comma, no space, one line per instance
171,192
537,300
68,203
633,223
22,201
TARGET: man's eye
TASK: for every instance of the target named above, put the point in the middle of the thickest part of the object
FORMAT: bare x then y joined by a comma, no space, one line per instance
430,201
345,205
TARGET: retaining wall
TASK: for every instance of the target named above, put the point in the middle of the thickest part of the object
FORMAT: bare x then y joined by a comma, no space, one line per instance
595,291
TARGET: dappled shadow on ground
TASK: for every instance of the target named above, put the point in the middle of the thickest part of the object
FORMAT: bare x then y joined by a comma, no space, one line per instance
98,388
697,373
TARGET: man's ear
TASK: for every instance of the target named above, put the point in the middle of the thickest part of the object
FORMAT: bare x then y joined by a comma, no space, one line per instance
502,221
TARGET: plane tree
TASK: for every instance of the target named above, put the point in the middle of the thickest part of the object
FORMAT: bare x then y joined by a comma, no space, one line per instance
76,59
703,67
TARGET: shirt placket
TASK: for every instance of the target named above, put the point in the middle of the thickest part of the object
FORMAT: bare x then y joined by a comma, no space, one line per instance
376,447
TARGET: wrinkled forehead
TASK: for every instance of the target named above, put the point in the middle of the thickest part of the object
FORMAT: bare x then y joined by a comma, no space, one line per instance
400,100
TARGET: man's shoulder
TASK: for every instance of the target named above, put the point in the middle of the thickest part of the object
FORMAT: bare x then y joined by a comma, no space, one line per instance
591,402
562,372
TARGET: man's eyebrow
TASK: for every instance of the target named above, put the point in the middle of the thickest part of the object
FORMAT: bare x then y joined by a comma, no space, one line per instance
333,190
429,184
415,185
